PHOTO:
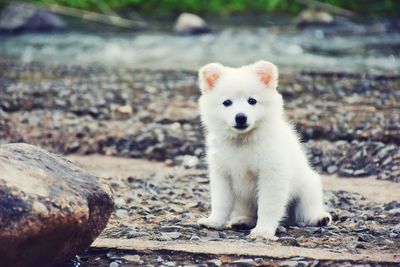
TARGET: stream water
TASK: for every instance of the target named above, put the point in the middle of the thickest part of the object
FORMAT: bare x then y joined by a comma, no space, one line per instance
361,48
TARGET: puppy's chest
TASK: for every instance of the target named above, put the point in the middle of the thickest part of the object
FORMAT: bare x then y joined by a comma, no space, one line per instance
242,167
236,160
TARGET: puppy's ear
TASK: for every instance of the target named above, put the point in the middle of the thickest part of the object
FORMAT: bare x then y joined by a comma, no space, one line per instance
268,73
209,75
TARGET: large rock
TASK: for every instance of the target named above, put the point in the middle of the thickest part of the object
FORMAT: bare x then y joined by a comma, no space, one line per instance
313,17
16,18
49,208
188,23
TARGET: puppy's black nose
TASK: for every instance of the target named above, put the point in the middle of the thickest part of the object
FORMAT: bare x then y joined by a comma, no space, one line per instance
241,119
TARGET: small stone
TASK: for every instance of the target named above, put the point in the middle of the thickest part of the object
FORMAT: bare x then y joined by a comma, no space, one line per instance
125,109
345,215
170,228
355,245
287,240
194,238
393,235
346,172
288,263
114,264
170,236
394,211
309,244
122,213
188,23
281,229
191,224
360,173
216,262
387,161
365,237
132,258
331,169
133,234
169,162
40,208
244,262
188,161
396,228
213,234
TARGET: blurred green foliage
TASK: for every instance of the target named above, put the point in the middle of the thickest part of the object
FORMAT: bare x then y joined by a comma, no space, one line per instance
229,7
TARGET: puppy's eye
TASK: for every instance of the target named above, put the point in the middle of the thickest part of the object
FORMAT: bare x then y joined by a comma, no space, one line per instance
227,103
252,101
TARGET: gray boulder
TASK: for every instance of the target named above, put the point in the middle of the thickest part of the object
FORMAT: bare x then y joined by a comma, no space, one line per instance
17,18
188,23
49,208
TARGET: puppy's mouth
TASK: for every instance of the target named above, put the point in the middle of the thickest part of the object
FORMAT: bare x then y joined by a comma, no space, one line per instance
241,127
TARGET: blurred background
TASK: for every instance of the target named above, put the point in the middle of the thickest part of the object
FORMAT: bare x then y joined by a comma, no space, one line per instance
333,35
112,86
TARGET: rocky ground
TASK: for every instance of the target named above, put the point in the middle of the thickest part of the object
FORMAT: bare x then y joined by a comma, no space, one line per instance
350,125
361,227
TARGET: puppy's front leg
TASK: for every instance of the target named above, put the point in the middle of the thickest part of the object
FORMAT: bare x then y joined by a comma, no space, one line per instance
221,200
272,199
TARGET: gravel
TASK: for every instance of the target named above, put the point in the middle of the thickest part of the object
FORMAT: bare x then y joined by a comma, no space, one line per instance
358,224
350,123
95,257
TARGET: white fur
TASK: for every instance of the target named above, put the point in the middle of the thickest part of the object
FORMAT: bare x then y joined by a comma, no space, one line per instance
254,173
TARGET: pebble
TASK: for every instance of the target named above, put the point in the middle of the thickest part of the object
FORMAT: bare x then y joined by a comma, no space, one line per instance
216,262
288,263
114,264
281,229
170,236
168,228
332,169
244,262
133,234
355,245
122,213
287,240
194,238
133,258
213,235
191,224
365,237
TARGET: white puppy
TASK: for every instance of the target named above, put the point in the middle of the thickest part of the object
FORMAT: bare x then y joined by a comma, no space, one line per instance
257,165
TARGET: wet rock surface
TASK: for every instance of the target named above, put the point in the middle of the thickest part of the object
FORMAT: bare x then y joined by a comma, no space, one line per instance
23,18
349,122
50,209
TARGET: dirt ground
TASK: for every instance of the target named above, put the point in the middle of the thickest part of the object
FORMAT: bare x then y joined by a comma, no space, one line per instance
126,243
103,166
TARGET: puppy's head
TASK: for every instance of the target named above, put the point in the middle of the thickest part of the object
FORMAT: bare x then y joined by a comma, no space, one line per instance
238,99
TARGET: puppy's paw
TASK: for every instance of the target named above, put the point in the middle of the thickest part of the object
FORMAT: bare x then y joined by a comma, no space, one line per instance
258,233
324,220
242,222
210,223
